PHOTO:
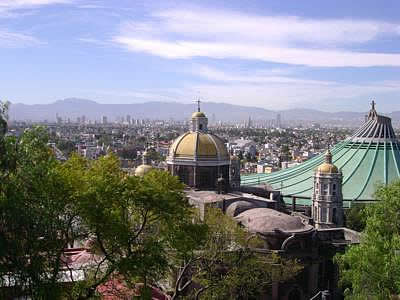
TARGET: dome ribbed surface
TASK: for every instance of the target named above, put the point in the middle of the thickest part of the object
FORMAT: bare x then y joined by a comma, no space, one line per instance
198,145
368,158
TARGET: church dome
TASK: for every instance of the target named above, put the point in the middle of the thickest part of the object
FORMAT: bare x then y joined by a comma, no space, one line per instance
145,167
199,158
143,170
199,146
198,114
327,168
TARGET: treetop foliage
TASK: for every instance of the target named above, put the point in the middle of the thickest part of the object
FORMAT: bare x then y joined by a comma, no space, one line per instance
371,270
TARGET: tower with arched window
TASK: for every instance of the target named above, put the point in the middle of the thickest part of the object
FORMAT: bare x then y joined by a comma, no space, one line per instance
327,198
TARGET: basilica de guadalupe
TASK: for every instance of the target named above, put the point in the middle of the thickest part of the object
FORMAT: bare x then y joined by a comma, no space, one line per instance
200,159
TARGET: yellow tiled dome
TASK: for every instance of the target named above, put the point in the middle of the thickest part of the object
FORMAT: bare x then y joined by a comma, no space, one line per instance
143,170
328,168
198,114
199,145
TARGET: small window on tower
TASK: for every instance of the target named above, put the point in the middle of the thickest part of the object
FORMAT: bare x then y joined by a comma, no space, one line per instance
334,186
201,126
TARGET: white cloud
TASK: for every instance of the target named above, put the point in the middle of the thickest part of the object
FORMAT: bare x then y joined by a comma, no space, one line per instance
21,8
255,77
285,55
288,29
17,8
184,34
16,4
260,88
12,39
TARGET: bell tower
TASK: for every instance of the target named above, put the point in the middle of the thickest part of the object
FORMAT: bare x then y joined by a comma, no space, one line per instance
199,120
327,198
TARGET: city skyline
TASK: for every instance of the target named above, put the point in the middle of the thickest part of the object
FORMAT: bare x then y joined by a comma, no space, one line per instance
331,56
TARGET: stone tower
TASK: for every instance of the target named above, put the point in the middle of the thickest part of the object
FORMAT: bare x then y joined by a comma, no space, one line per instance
327,198
234,173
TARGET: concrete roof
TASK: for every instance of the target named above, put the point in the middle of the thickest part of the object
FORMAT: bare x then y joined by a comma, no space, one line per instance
266,220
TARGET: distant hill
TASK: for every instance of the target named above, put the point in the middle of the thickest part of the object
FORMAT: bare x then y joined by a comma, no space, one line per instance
74,107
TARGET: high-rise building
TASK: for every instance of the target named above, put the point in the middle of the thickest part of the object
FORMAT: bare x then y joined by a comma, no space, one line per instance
249,123
278,121
128,119
104,119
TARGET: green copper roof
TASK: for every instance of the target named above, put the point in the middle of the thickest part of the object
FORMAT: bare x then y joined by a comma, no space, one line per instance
368,158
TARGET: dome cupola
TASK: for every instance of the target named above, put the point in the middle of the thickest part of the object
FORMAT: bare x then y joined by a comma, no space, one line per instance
327,166
199,120
145,167
199,157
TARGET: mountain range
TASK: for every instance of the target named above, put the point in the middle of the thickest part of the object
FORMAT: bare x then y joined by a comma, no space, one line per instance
74,107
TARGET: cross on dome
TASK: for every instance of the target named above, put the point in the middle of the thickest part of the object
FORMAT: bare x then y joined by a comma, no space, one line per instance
372,115
198,104
373,104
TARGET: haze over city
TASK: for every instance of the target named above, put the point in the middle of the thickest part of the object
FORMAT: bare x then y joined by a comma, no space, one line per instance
276,55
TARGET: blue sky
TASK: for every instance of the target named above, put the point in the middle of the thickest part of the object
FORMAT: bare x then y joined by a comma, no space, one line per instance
331,55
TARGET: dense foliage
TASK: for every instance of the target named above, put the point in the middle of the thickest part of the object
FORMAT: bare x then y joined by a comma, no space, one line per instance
371,270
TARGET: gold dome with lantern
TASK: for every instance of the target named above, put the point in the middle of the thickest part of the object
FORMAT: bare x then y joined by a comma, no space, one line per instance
328,167
199,157
199,145
146,166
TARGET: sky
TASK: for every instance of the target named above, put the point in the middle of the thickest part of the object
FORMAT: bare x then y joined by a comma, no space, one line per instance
328,55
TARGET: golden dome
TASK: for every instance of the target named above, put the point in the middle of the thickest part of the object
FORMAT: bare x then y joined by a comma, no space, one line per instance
143,170
199,145
328,168
198,114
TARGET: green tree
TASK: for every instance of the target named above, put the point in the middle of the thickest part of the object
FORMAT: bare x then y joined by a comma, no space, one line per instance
66,146
227,266
35,216
3,117
371,270
133,222
354,217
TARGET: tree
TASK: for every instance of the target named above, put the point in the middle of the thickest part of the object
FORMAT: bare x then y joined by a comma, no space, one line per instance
35,216
371,270
3,117
133,222
354,217
226,266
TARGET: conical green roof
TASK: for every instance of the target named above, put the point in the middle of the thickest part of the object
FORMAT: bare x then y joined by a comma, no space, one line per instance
369,158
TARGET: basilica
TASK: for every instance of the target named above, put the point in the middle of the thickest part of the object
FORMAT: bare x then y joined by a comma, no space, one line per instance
212,176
